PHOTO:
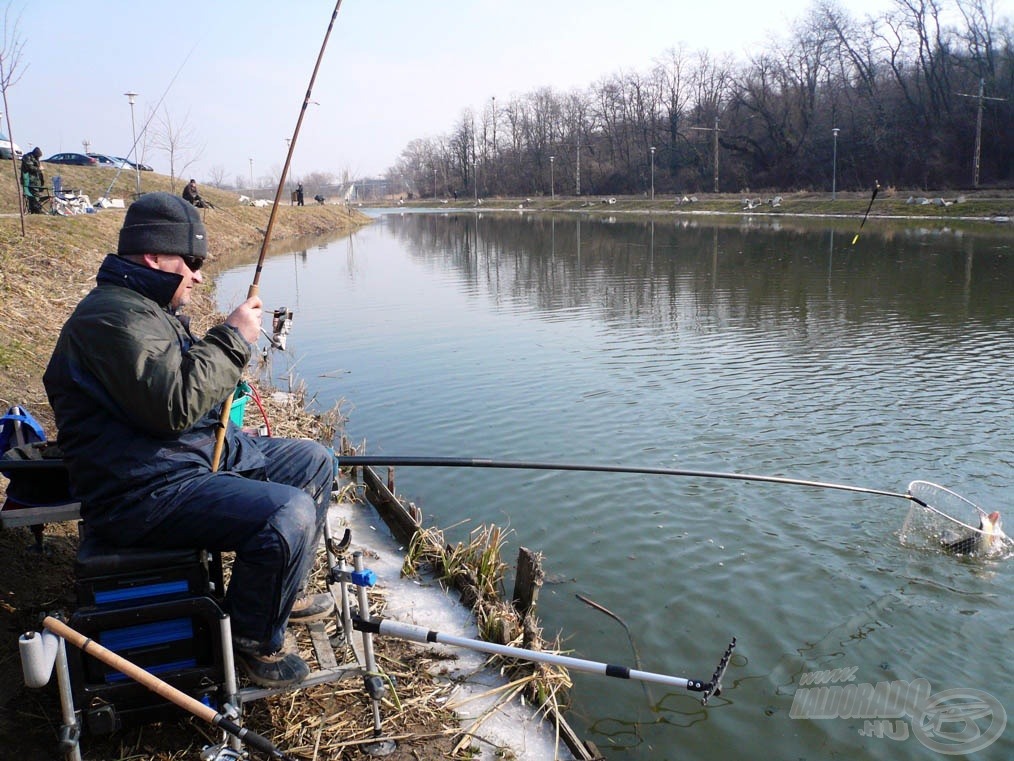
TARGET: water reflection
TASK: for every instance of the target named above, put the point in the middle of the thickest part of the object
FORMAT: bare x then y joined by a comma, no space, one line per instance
693,271
676,342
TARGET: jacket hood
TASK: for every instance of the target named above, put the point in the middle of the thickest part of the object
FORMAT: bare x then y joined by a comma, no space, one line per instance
152,284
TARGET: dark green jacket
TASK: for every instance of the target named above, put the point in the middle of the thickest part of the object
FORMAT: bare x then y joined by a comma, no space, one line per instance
137,398
30,166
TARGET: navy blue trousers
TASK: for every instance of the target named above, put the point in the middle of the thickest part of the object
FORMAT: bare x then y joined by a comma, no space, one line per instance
271,518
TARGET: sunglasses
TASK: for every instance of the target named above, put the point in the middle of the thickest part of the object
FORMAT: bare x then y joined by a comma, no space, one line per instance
193,263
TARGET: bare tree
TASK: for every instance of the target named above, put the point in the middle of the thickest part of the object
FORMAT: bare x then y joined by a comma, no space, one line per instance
11,47
177,140
216,176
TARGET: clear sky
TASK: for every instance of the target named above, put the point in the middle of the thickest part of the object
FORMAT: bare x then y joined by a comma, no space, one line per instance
394,70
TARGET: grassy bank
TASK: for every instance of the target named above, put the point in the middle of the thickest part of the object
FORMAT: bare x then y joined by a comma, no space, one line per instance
982,205
43,275
46,271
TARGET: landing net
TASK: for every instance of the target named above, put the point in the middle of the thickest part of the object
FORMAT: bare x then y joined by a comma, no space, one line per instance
940,519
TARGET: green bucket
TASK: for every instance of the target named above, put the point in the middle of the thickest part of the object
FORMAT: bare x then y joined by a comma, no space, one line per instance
239,400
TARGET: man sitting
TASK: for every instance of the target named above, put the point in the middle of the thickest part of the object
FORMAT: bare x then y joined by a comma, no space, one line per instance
190,194
138,401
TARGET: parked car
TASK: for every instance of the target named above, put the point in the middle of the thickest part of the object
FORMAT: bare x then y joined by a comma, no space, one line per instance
106,161
131,164
114,162
78,159
6,147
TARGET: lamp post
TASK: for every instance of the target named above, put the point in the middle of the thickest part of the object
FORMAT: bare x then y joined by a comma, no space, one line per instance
652,150
131,96
251,175
434,183
552,179
714,160
577,168
834,164
86,145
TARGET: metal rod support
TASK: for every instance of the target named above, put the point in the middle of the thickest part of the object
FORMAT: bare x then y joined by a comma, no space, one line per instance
414,633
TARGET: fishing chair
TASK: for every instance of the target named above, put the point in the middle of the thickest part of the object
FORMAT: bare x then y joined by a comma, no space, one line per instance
163,611
35,196
160,609
38,491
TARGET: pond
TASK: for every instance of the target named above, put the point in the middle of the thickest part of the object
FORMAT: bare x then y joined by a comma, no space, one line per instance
744,346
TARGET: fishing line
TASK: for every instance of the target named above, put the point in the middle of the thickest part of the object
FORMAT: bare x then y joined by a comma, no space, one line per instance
876,189
144,127
255,285
630,638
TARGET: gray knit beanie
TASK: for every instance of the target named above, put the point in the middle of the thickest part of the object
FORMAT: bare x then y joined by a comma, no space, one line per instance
162,223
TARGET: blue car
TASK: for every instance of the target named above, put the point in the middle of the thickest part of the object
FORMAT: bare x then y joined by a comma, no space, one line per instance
77,159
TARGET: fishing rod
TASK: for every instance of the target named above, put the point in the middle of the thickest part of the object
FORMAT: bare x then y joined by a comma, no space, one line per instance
472,462
413,633
255,285
133,148
163,689
876,189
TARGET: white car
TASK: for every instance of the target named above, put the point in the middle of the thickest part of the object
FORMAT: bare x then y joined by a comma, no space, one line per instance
6,146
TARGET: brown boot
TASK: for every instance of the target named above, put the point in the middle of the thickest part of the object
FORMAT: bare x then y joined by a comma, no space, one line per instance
309,608
283,668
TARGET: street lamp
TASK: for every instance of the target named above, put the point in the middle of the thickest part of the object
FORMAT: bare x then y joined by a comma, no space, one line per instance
834,164
133,132
86,145
552,179
434,183
251,175
652,149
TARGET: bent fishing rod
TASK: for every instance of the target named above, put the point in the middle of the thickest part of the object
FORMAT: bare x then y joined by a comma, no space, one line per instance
876,189
475,462
255,285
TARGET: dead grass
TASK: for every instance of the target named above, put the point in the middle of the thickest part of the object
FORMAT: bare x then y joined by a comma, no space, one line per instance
42,277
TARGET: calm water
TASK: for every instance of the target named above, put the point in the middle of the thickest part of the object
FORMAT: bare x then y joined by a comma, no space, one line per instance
777,350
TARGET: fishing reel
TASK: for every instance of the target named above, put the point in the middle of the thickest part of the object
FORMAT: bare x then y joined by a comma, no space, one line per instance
222,752
281,326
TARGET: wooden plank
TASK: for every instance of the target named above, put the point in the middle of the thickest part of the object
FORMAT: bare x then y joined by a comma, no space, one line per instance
322,645
528,581
402,523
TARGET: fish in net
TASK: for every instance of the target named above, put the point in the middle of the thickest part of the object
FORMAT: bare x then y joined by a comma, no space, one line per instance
941,519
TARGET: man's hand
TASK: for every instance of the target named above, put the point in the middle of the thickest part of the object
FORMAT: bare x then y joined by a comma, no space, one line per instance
246,318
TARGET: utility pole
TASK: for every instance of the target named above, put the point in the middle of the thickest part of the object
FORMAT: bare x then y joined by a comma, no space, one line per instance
577,175
978,126
714,160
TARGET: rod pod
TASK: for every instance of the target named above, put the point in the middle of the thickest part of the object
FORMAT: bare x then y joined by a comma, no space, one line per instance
413,633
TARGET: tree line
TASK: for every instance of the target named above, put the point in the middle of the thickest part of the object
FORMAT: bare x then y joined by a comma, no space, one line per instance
918,96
